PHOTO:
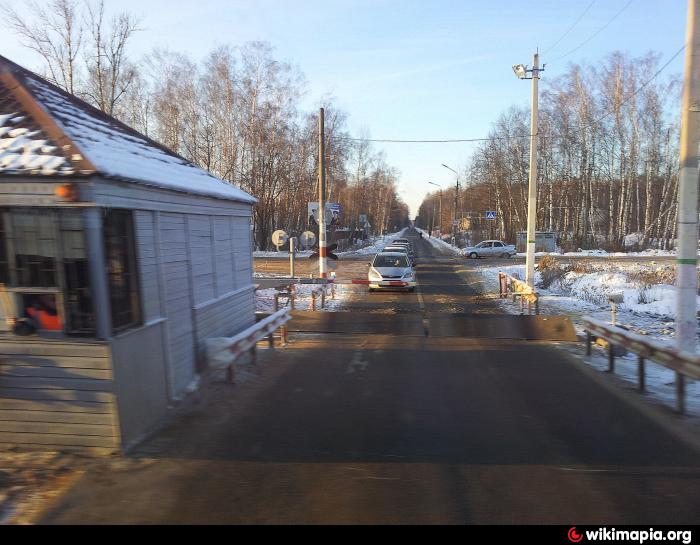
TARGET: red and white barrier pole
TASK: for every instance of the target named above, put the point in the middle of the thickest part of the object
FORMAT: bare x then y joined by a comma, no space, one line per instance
322,245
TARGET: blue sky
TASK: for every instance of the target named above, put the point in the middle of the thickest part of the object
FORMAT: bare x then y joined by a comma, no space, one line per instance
429,69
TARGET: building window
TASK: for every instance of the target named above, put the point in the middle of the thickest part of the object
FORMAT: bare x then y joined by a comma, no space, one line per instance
43,264
122,274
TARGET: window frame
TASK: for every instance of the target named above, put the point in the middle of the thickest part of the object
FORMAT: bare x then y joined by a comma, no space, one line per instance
133,281
59,288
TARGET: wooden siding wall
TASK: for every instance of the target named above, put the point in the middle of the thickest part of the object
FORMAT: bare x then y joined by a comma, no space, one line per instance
140,380
196,272
56,394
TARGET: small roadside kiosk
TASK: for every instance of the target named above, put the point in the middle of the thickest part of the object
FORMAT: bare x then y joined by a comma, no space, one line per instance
118,258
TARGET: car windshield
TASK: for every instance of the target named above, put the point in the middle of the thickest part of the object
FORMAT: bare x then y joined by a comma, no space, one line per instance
390,261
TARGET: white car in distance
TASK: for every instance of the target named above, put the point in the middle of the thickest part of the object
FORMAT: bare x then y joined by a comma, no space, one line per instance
490,248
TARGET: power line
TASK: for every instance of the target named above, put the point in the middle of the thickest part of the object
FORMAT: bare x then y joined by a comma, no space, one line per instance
569,29
492,138
601,29
446,141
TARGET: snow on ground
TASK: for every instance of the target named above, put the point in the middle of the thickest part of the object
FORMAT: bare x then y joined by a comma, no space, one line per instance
275,254
647,310
265,299
374,245
439,244
603,253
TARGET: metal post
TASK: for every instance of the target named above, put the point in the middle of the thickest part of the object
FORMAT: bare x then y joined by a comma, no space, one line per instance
323,297
680,393
322,259
292,250
686,320
614,317
588,343
532,191
313,301
611,358
641,375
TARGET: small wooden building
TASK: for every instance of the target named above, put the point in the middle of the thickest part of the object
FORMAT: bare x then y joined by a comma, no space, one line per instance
124,255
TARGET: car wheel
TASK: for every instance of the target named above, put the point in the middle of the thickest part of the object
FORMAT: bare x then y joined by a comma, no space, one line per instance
411,290
371,290
505,255
473,255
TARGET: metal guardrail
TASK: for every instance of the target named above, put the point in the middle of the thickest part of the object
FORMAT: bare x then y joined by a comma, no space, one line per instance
509,286
684,364
247,340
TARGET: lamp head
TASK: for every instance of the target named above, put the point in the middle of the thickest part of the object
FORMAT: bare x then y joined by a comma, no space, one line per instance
520,70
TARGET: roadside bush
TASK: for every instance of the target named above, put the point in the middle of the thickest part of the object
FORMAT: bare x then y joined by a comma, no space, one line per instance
550,271
583,267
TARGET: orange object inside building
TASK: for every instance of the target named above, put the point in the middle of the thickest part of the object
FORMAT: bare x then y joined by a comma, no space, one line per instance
46,320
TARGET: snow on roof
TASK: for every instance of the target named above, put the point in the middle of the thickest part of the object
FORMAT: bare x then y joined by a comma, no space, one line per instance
114,149
24,147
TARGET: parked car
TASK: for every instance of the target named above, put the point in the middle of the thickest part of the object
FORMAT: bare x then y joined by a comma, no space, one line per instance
391,270
491,248
401,249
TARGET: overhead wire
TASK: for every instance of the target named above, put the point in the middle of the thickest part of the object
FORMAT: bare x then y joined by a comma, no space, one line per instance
577,21
487,139
601,29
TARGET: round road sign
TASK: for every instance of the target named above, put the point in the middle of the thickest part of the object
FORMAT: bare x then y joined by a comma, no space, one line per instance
279,238
308,239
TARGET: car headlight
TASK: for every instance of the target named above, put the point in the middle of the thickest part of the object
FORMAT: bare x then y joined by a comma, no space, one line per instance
374,274
408,275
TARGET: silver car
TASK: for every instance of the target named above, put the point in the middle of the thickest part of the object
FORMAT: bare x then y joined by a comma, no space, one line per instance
391,270
490,248
400,249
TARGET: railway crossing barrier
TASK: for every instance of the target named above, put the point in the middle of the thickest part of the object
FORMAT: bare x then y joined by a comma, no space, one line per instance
225,351
684,364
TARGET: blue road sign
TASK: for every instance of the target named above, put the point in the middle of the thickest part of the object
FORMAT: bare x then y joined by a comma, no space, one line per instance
490,214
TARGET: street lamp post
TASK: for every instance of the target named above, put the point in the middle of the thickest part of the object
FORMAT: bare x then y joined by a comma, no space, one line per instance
454,221
440,223
521,71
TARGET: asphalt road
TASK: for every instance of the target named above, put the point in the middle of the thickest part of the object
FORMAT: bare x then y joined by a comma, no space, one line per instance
404,425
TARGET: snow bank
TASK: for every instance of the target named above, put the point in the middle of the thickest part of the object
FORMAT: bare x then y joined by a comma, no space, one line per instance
265,299
439,244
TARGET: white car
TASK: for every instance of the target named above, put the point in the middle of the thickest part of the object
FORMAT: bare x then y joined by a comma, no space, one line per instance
400,249
491,248
391,270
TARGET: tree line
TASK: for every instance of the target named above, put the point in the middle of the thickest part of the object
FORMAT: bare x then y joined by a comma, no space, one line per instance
236,114
607,160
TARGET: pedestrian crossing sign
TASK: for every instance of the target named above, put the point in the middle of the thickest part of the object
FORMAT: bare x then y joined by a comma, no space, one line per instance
491,215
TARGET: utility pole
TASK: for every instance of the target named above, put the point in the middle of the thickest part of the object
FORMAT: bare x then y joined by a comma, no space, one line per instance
686,317
454,219
532,188
322,259
522,71
440,220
